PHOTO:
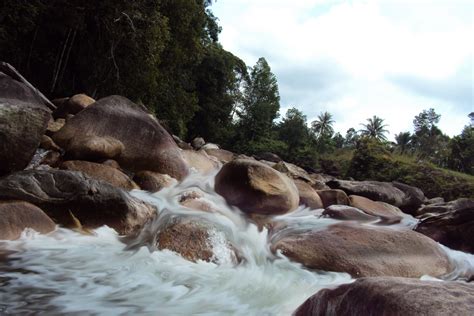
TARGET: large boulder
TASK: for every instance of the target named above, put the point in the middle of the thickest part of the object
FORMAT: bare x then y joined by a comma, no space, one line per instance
15,216
256,188
147,145
363,251
196,239
293,171
23,120
392,296
67,195
397,194
454,228
101,172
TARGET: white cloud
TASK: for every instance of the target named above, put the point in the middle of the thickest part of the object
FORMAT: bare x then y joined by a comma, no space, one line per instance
343,56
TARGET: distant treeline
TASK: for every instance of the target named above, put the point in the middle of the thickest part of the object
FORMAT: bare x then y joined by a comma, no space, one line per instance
166,55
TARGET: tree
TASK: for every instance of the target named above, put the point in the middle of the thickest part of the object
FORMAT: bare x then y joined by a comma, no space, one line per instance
403,141
461,156
426,120
375,128
338,140
351,138
293,130
261,102
322,126
219,79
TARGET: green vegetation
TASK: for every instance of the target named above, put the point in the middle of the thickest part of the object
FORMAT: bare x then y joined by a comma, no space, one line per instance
166,55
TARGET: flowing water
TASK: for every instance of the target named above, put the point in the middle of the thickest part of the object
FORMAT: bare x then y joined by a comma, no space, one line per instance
103,274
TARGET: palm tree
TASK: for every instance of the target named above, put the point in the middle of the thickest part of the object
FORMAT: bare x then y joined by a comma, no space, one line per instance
403,140
375,128
322,126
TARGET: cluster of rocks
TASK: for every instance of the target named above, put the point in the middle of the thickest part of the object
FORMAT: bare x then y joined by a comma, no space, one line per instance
94,152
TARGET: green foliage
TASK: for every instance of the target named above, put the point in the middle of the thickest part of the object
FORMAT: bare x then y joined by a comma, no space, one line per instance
375,128
293,130
462,151
403,141
372,161
261,103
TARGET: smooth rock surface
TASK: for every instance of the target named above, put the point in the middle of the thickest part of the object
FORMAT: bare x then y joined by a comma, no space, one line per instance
94,203
256,188
102,172
363,251
147,145
392,296
15,216
23,121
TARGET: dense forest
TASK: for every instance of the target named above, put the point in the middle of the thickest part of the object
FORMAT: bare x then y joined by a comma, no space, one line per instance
166,55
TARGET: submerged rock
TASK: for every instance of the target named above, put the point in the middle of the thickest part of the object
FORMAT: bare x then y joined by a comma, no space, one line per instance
23,121
66,195
196,239
15,216
256,188
392,296
147,145
365,251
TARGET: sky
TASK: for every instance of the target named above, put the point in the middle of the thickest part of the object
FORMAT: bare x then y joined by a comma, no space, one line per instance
359,58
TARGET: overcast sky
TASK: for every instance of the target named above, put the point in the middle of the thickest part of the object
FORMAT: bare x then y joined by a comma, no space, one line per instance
357,59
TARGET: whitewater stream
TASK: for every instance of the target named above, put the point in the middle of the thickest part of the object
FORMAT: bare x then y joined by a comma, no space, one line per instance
103,274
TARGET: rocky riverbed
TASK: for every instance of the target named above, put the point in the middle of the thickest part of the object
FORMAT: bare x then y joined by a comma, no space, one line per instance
102,211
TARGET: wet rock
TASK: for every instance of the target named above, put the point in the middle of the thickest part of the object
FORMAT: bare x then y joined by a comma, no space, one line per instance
397,194
61,193
196,239
23,121
364,251
15,216
308,195
182,144
344,212
222,155
454,228
199,161
111,163
147,145
198,142
256,188
392,296
153,181
333,197
72,105
209,146
102,172
94,148
374,208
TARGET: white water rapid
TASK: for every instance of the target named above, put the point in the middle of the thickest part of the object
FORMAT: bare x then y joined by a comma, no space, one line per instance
102,274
